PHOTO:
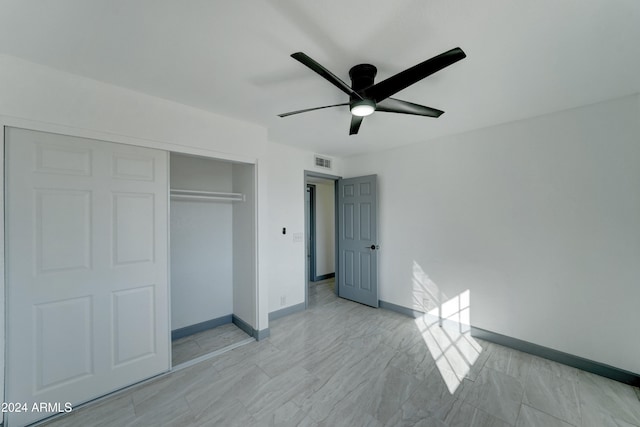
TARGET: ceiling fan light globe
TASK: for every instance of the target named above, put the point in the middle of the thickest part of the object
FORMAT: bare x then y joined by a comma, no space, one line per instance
362,108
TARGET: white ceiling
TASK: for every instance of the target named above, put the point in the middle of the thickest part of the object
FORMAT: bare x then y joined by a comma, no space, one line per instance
524,58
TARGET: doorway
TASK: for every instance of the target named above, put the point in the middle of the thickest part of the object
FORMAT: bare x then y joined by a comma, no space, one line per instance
320,229
355,237
310,232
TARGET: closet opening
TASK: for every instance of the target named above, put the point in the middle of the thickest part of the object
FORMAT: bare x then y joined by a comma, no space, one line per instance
212,251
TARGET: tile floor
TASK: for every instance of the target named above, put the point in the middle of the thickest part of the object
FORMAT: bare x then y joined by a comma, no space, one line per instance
196,345
343,364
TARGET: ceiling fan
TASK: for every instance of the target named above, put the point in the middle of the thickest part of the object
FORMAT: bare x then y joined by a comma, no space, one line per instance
366,97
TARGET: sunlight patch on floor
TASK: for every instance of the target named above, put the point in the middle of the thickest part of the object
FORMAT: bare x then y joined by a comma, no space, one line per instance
445,329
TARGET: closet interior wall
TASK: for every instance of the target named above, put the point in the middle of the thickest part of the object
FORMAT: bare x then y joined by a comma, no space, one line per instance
212,243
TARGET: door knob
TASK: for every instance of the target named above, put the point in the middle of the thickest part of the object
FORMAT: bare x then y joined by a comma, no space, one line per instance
373,247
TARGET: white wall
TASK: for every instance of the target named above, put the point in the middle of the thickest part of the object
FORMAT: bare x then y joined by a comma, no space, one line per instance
244,243
286,194
539,219
286,210
200,173
39,93
325,228
201,243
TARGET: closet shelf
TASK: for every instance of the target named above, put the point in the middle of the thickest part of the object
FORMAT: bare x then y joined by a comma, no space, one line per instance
205,196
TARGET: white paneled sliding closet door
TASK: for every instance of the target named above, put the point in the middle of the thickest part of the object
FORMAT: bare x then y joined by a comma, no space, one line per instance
87,309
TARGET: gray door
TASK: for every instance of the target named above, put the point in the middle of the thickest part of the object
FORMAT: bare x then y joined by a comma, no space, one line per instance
358,240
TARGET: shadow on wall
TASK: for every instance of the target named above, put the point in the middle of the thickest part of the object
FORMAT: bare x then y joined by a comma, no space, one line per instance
445,328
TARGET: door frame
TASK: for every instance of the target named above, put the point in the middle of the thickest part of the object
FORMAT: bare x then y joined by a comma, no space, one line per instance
35,125
310,215
313,174
3,302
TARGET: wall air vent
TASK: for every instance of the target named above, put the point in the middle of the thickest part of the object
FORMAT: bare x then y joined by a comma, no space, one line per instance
322,162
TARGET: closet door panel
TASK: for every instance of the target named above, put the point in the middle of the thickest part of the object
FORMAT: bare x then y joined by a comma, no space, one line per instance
133,228
87,288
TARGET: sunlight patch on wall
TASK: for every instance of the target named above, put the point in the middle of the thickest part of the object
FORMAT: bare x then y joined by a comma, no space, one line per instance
426,293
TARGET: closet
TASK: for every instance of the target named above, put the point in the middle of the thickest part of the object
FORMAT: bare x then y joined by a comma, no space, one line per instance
212,252
110,249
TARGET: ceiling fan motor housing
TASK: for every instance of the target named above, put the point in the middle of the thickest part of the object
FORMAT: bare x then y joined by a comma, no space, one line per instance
362,76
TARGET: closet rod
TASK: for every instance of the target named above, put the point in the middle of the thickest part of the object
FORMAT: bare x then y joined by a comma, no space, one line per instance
206,195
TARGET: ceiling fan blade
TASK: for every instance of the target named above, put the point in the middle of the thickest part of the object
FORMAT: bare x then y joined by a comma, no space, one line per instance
328,75
392,105
356,121
310,109
406,78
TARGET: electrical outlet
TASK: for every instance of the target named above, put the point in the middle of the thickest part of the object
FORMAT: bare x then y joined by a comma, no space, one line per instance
283,301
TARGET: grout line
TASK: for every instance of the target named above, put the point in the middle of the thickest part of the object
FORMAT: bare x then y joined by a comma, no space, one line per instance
211,355
129,388
546,413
